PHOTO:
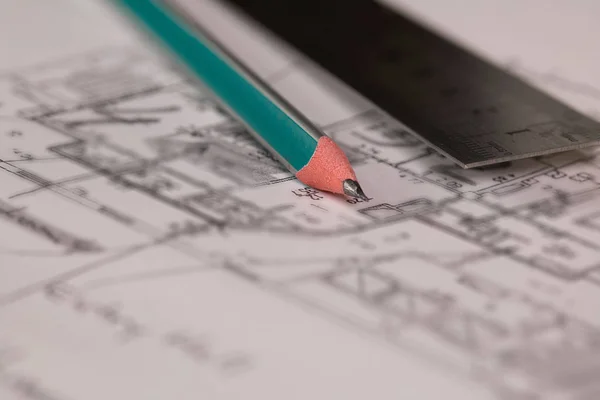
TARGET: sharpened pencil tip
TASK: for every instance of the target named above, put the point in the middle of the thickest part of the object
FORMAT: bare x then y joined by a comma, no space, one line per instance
353,189
329,170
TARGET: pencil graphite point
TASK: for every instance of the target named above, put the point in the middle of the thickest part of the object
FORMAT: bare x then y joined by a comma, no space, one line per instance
329,170
352,188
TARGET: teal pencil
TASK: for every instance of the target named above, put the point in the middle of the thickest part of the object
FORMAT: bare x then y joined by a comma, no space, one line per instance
309,154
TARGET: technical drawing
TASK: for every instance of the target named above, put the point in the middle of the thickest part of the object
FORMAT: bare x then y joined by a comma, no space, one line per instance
495,266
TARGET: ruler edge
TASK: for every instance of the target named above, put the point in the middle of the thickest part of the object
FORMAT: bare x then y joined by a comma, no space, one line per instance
426,25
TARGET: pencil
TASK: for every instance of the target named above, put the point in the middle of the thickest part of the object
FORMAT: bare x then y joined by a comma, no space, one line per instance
314,158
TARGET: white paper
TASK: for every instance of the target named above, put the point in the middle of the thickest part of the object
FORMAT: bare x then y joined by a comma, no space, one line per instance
149,249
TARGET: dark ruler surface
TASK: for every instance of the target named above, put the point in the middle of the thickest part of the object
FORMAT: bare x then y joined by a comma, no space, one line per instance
466,108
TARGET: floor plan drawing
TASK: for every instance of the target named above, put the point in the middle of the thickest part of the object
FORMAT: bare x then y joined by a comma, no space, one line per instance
131,202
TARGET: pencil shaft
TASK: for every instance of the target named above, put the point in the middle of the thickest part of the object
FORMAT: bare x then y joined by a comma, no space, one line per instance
275,124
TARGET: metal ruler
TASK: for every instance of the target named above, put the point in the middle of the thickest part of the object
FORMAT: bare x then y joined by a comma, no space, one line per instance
468,109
